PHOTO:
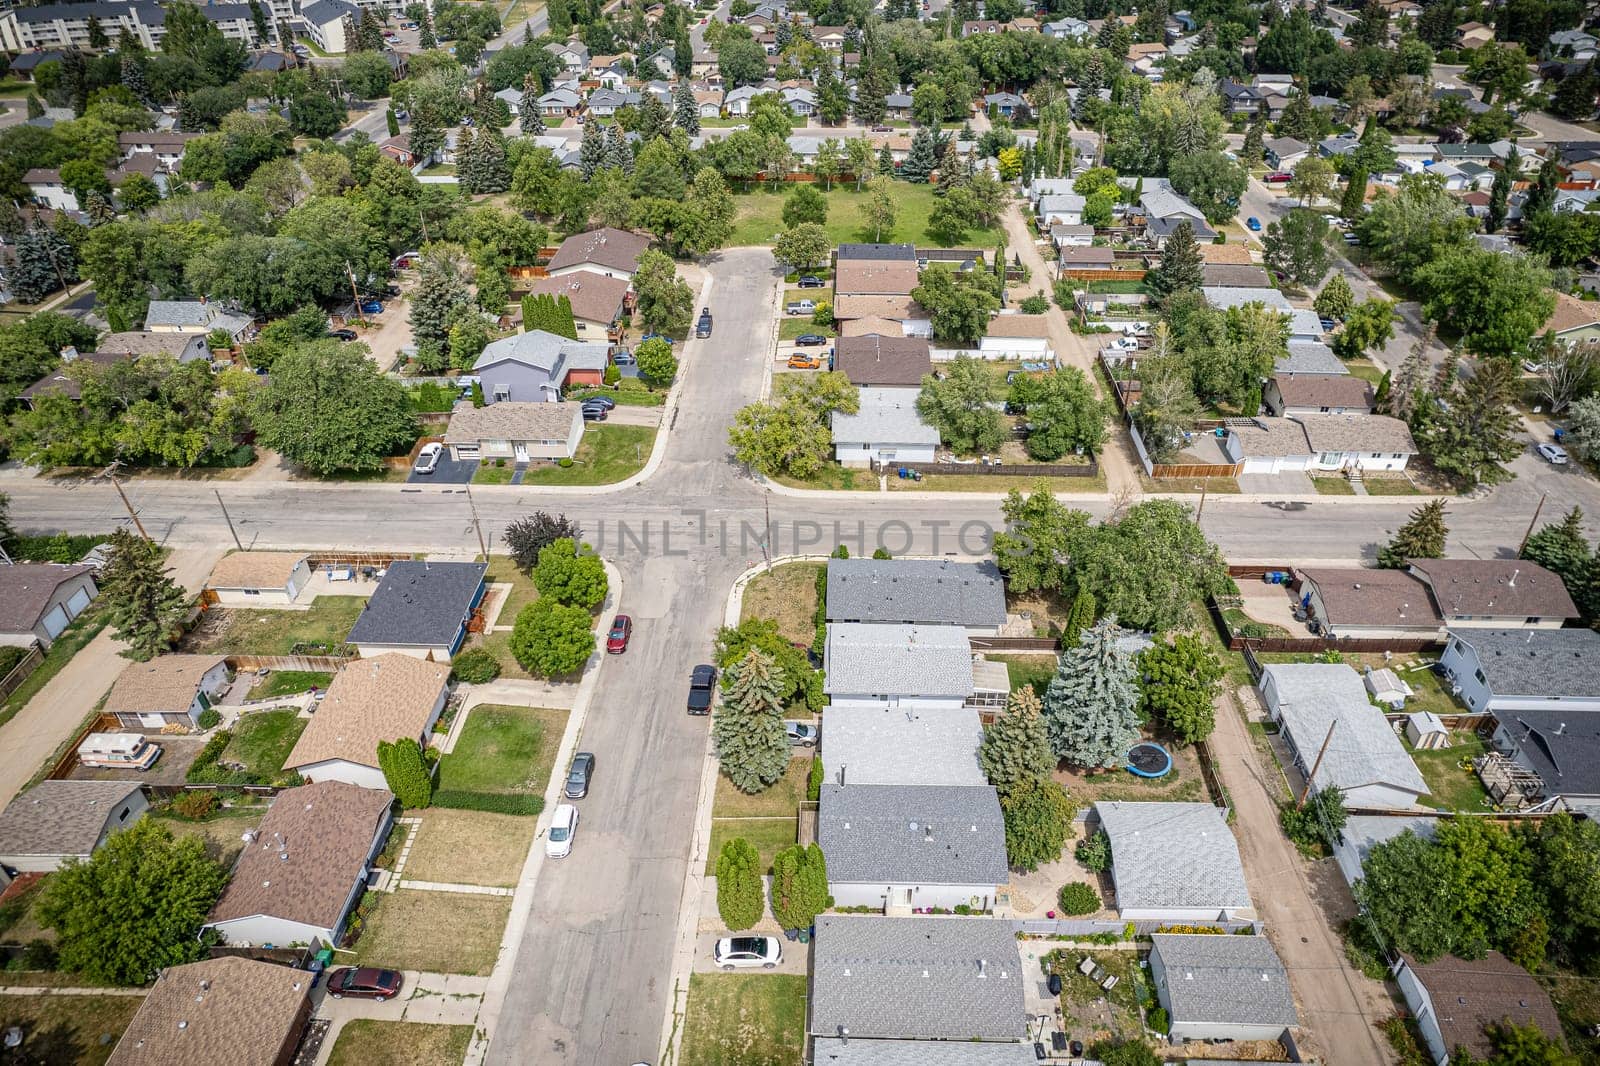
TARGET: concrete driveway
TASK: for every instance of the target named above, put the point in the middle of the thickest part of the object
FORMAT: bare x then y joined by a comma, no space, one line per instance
796,956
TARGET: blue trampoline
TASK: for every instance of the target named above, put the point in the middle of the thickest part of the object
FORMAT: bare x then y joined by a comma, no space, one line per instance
1149,760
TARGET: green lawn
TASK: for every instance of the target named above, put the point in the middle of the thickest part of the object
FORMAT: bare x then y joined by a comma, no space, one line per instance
1391,486
832,477
288,683
786,594
997,483
363,1041
769,835
83,629
435,932
1333,486
1035,670
504,749
608,454
760,218
1451,788
779,801
252,631
220,833
502,571
77,1029
490,474
263,739
1365,369
744,1019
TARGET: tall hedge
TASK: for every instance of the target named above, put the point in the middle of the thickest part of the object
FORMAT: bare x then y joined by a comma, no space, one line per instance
740,896
405,772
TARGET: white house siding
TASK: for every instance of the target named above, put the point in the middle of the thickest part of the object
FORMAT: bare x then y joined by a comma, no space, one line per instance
1013,348
861,455
262,930
438,653
1187,915
129,811
282,596
877,894
1421,1007
344,770
592,268
56,197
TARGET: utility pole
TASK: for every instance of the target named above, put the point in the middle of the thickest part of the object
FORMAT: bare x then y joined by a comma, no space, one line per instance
424,220
1202,508
111,475
766,541
354,295
1531,522
1312,776
473,506
228,518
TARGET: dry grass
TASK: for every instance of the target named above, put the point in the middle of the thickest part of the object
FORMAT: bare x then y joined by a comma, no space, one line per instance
1048,610
744,1020
363,1041
67,1028
469,847
221,833
787,595
436,932
779,801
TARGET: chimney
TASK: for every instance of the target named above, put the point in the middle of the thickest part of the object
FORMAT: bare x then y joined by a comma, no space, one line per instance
1561,729
983,969
841,775
927,834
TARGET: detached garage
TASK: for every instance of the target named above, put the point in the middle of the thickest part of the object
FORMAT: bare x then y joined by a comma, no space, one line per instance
39,600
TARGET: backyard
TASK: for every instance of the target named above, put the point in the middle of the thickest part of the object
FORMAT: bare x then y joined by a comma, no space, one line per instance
262,740
786,594
1090,1013
60,1029
606,455
760,217
1451,787
222,832
319,629
744,1020
469,847
1182,785
363,1041
504,749
288,683
1034,670
436,932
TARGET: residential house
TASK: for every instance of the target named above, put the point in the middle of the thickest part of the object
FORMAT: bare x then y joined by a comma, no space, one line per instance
841,1051
66,379
1225,297
231,1009
908,316
1495,593
1285,153
907,252
420,609
1368,764
1320,442
164,146
1367,604
302,871
1574,321
390,697
522,432
512,98
1158,230
1574,44
399,149
1456,1001
907,667
866,327
609,251
46,189
874,277
324,21
1016,336
737,101
1234,276
604,103
1292,395
876,360
598,300
1561,748
574,55
39,600
1071,29
169,690
1174,862
956,980
708,102
534,367
59,820
560,103
259,579
1363,832
196,316
912,847
1004,104
885,428
23,66
1060,209
1309,357
1078,260
1505,670
801,102
897,107
919,592
1239,99
1221,987
1064,237
890,746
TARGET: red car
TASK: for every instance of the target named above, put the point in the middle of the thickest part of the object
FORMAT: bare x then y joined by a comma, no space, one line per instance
617,638
364,983
1278,177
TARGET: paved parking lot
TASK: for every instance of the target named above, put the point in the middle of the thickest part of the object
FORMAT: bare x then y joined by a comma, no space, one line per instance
448,472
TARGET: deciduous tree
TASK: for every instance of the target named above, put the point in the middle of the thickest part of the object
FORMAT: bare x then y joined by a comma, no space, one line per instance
551,639
961,405
1297,247
571,574
1177,683
527,537
327,408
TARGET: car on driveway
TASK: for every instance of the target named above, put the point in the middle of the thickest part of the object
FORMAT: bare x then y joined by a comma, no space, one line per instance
617,637
810,281
1351,239
599,401
810,340
428,458
702,680
622,357
563,827
1554,454
343,334
364,982
579,776
371,307
747,952
1278,177
801,734
594,413
1253,224
803,361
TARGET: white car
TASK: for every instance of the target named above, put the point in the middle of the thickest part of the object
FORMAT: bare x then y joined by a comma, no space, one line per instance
1555,454
747,952
428,458
563,827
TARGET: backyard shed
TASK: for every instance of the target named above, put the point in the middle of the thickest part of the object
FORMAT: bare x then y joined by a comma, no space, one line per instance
1386,687
1426,731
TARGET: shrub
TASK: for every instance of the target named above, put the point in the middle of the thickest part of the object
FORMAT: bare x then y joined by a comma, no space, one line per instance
493,802
1095,853
740,892
194,806
1078,897
564,462
38,955
475,666
1157,1020
405,771
881,553
551,639
841,552
814,783
612,375
205,770
1037,304
210,718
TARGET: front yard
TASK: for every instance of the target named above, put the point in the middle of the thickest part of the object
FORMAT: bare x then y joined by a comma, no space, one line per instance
469,847
606,455
504,749
744,1020
262,740
786,594
502,571
436,932
62,1029
364,1041
766,819
760,217
769,835
252,631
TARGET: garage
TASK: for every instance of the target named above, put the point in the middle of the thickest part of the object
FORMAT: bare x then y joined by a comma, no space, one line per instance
77,602
55,620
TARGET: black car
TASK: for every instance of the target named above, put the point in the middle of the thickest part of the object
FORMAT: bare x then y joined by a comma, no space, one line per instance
605,402
594,413
810,340
343,334
810,281
701,682
579,776
703,327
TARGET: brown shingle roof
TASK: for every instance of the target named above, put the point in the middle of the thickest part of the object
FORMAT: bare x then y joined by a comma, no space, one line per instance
142,342
1358,433
1235,275
511,420
594,296
60,817
25,589
61,383
232,1010
1269,438
1019,326
166,684
1078,255
891,307
1361,597
861,327
384,698
1225,253
875,277
326,831
1470,995
254,570
883,360
1572,313
1324,390
1510,588
614,248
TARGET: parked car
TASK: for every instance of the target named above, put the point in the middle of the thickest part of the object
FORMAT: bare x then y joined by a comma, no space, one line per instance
656,337
801,734
702,328
747,952
364,982
371,307
701,682
428,458
343,334
1278,177
579,776
1253,224
810,340
622,357
1554,454
810,281
800,307
599,401
1351,239
563,827
803,361
594,413
1327,324
617,637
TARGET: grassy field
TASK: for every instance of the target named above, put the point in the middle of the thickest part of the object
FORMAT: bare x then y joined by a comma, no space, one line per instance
744,1020
504,749
1212,486
1365,369
760,217
60,1029
1452,788
769,835
263,739
265,632
779,801
221,832
499,645
788,595
363,1041
502,571
469,847
83,629
835,478
436,932
288,683
608,454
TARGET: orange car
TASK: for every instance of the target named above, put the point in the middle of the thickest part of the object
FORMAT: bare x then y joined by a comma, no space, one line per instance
801,361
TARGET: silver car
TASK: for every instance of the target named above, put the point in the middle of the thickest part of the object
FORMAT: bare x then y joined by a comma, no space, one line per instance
801,734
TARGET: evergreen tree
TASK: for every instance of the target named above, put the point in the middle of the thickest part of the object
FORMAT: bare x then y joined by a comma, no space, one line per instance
922,159
133,77
467,160
98,207
1017,747
1499,192
748,730
1079,618
592,152
425,38
1254,141
1422,537
799,886
258,18
1352,206
1298,120
1561,548
1542,196
427,136
1182,268
97,34
885,162
1404,389
440,293
491,174
740,896
44,260
1091,706
549,313
528,106
654,118
1336,298
950,171
144,605
35,107
405,772
686,112
618,155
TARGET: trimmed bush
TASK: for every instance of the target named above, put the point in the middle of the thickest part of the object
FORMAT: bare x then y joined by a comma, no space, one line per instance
461,799
475,666
741,896
814,783
1157,1020
1095,853
195,806
405,771
210,718
1078,897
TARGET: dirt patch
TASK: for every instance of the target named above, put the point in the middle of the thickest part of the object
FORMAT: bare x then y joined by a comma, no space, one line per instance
788,595
1182,784
1047,610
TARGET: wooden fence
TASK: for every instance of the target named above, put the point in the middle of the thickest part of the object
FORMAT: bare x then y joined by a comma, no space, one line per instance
1089,469
324,560
105,723
19,673
1075,927
1183,470
1355,646
172,791
323,664
1102,274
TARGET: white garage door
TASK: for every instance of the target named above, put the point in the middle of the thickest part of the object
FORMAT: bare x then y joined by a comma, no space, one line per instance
1261,466
77,602
56,621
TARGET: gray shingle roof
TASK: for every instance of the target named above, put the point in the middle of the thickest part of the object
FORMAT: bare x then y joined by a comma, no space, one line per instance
547,351
935,591
1309,357
878,251
895,746
918,978
25,589
60,817
1178,855
1223,297
898,660
1563,748
912,834
1311,697
831,1051
885,416
419,603
1235,980
1537,662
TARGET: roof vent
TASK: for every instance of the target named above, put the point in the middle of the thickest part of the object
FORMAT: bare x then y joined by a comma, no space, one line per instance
182,1026
983,965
